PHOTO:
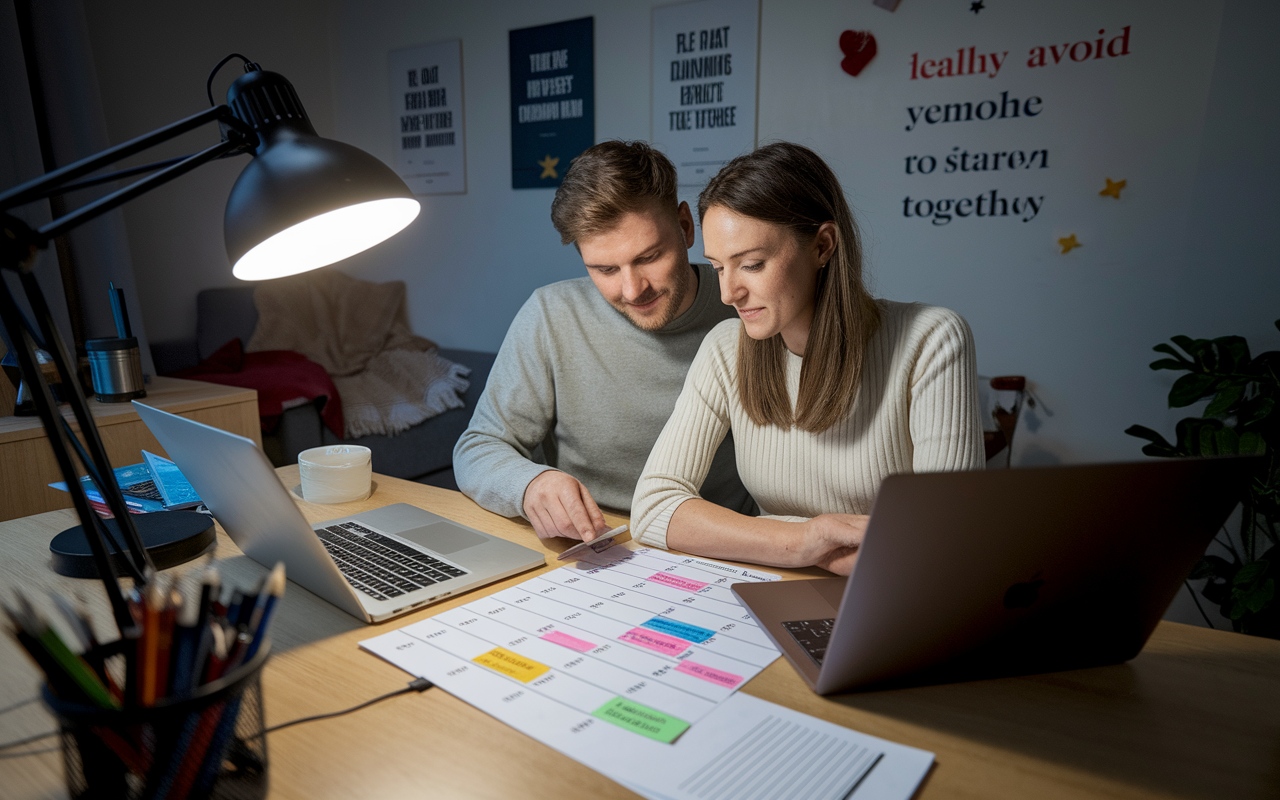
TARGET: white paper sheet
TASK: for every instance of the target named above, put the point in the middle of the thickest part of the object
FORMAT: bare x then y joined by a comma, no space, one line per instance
561,656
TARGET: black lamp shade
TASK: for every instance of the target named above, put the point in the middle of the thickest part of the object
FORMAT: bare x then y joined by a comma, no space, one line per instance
303,201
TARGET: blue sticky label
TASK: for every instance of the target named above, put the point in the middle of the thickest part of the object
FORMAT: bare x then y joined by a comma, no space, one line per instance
682,630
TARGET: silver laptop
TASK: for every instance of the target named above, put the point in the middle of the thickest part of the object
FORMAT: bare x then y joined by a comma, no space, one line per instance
983,574
374,565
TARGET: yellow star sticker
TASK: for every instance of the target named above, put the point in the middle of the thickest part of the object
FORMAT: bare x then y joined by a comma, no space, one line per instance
1069,243
1113,188
548,165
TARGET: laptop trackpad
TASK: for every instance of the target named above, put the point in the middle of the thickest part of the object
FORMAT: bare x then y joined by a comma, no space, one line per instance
444,537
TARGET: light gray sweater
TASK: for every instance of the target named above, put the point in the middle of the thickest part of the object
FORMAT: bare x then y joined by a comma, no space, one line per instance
916,410
576,376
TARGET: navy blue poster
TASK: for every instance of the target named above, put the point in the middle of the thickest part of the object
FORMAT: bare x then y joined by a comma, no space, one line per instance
552,100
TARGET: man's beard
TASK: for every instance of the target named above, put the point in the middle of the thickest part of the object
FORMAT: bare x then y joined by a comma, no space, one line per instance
675,298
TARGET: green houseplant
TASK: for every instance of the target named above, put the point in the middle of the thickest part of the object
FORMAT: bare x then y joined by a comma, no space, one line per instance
1241,418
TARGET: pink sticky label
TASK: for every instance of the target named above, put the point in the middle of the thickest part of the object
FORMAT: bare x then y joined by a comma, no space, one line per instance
655,641
571,642
676,581
709,674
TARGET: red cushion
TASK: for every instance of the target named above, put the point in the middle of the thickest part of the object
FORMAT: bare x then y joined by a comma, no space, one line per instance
280,377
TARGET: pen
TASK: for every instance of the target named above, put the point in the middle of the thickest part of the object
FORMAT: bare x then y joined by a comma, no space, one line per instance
273,591
217,654
233,607
133,647
170,602
149,643
210,589
186,639
248,604
69,675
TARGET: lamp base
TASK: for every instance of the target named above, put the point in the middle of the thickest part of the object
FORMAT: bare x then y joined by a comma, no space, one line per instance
170,537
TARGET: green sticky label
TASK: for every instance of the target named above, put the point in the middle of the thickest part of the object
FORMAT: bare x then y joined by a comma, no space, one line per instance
641,719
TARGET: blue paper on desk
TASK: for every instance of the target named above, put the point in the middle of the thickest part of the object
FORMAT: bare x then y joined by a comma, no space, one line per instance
155,485
174,488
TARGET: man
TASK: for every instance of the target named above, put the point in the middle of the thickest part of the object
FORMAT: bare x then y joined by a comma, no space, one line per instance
590,368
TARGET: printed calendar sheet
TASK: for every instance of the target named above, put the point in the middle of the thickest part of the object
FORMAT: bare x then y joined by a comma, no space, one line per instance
631,658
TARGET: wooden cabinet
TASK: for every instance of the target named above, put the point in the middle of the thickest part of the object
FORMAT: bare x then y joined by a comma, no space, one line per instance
27,465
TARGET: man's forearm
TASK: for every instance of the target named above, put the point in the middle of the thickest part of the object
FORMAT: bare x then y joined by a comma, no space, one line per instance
493,473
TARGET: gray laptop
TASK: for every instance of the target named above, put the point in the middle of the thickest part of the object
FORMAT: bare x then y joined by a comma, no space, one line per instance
373,565
970,575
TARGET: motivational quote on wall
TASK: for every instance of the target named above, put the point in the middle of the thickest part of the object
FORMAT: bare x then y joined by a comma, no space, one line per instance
704,84
989,109
426,107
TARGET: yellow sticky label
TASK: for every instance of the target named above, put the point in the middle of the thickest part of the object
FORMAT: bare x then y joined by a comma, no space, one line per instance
511,665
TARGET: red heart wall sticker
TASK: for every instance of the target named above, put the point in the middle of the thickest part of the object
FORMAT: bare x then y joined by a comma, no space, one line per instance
859,47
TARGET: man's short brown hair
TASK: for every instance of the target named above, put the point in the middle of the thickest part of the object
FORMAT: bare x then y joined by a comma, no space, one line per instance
605,182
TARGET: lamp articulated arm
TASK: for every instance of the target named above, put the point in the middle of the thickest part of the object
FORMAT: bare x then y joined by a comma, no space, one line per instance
303,202
19,244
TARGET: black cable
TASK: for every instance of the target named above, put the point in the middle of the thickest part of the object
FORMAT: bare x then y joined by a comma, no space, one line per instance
208,86
28,740
416,685
54,749
33,698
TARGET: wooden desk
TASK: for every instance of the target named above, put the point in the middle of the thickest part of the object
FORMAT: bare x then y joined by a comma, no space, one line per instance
1194,716
26,459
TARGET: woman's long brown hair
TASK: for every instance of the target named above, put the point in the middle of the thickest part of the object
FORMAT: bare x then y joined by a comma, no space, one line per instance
790,185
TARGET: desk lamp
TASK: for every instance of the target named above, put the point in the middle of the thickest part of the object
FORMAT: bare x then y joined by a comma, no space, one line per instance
303,202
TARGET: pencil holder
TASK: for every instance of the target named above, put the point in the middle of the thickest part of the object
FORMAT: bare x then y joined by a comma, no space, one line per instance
209,744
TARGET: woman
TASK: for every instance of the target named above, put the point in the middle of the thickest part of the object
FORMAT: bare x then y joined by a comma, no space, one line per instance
826,390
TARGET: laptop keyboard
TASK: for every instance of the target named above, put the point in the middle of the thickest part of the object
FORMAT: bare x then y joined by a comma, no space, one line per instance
380,566
813,635
146,490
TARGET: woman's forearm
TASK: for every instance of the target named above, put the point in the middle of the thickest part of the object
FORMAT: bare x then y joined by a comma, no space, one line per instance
704,528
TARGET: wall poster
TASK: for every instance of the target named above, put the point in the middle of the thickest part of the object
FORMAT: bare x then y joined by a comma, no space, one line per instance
426,111
552,100
704,84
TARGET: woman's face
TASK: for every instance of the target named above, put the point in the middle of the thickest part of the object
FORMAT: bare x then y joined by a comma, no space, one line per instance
768,275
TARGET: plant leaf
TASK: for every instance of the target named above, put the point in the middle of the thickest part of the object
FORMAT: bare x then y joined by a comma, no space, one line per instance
1195,434
1252,444
1260,596
1143,432
1169,363
1178,357
1233,352
1224,401
1190,388
1251,572
1218,567
1191,346
1226,442
1256,410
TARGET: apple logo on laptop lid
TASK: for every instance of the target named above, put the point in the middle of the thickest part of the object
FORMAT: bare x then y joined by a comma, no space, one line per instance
1023,595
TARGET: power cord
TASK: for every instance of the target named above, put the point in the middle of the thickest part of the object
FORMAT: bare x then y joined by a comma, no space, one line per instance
415,685
249,66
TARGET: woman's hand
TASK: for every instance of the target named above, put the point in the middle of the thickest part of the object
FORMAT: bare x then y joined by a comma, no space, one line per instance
831,541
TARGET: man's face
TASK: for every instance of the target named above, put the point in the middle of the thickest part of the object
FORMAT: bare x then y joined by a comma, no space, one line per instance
641,266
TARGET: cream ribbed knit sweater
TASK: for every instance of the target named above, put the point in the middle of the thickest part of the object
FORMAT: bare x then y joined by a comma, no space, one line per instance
916,411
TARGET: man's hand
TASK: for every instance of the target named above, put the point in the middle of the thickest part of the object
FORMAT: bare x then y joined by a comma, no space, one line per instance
558,505
836,538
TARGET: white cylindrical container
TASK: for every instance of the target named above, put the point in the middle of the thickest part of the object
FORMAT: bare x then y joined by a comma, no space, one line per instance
338,473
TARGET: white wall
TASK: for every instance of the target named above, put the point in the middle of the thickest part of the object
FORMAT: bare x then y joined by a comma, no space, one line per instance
470,260
152,61
1083,336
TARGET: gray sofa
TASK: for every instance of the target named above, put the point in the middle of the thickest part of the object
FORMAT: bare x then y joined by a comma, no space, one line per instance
423,453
